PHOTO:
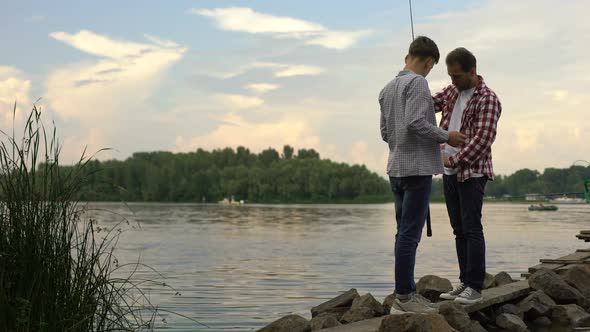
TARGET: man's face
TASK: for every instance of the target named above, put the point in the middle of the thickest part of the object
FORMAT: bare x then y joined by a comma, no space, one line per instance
461,79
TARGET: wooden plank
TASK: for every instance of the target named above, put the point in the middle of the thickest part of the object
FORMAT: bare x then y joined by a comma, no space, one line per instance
576,256
585,232
550,266
500,294
583,237
583,250
564,261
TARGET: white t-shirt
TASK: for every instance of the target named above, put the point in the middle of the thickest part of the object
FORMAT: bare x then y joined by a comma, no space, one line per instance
455,125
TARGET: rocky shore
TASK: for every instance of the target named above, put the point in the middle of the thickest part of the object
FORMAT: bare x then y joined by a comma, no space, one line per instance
547,301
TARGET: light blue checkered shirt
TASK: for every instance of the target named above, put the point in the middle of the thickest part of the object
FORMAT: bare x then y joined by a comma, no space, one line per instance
408,125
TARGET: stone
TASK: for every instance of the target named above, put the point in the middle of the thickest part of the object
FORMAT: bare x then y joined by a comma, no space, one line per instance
549,282
579,278
290,323
536,304
542,321
388,303
410,322
509,308
342,300
362,308
571,314
488,281
323,321
502,278
455,315
431,286
511,323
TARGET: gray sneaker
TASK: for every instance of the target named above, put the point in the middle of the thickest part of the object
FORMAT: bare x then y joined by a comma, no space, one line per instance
469,296
454,293
415,305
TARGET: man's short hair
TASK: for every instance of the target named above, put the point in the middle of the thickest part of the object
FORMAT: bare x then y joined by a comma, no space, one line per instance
463,57
423,48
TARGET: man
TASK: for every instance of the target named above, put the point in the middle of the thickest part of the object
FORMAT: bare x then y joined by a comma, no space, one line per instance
469,106
408,125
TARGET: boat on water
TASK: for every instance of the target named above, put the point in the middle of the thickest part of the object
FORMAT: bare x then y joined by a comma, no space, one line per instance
542,207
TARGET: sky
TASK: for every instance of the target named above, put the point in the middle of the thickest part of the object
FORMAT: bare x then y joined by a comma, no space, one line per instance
180,75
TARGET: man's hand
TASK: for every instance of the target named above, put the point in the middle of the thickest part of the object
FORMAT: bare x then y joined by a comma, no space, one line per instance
446,161
456,139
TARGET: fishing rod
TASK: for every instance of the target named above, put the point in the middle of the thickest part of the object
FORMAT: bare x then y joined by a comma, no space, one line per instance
428,219
411,19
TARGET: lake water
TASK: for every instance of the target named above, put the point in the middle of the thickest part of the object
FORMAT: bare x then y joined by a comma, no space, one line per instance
239,268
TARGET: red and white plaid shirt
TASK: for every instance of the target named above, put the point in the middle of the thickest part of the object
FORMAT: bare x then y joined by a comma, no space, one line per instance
479,123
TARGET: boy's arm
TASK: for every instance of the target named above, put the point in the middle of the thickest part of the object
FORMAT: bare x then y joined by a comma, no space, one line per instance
383,122
418,105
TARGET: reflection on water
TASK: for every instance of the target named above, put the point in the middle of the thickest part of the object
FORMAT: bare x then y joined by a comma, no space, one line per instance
241,267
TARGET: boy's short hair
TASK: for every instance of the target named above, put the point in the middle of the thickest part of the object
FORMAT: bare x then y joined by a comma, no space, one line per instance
423,47
463,57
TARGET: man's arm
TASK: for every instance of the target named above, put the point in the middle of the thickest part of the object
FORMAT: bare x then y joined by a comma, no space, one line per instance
418,105
487,116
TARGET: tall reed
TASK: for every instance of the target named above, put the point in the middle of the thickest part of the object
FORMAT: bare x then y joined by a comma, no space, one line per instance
57,272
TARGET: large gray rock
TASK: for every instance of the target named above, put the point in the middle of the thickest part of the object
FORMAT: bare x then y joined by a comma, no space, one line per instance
542,321
410,322
550,283
388,303
342,300
579,277
323,321
511,323
458,318
571,314
510,308
536,304
431,286
455,315
502,278
362,308
489,281
290,323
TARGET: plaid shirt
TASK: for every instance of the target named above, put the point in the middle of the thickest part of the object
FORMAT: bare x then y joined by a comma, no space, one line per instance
479,123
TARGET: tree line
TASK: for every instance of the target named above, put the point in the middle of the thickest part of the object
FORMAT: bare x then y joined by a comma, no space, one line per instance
210,176
271,176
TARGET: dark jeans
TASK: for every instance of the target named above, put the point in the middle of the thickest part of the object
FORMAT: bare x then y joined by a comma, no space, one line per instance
464,201
412,195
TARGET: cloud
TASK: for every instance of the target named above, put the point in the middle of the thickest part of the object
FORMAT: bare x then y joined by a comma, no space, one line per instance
126,73
98,94
281,27
262,87
235,130
14,88
298,70
240,101
278,70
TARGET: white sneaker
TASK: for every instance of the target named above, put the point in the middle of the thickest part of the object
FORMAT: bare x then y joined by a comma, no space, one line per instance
416,304
454,293
469,296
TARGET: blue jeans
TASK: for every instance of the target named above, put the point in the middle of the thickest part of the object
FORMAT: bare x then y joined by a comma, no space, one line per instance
464,202
412,196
